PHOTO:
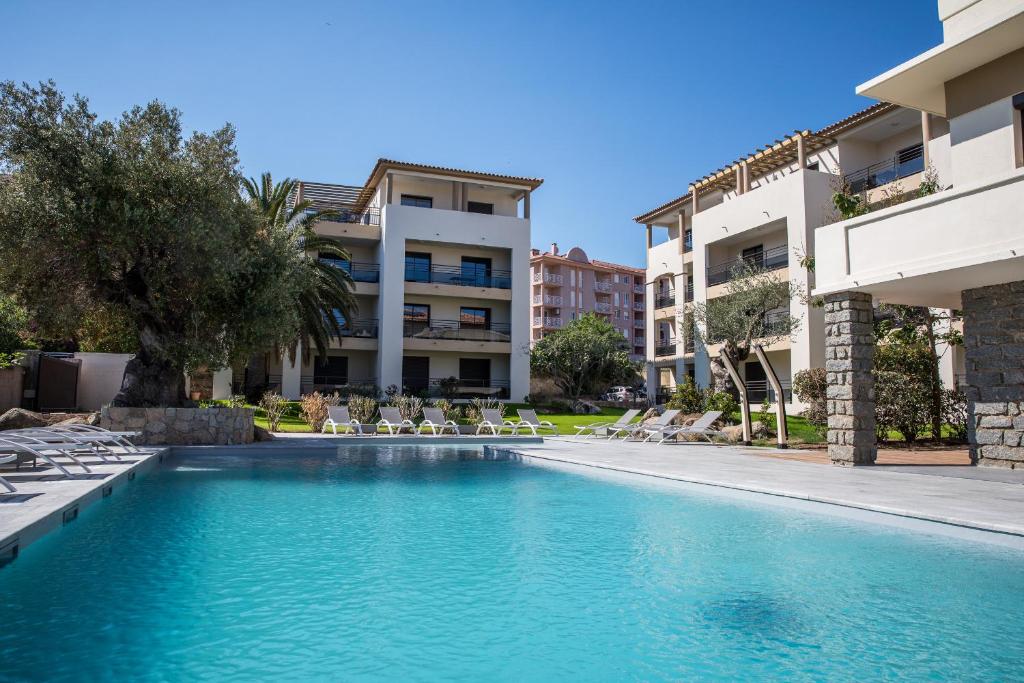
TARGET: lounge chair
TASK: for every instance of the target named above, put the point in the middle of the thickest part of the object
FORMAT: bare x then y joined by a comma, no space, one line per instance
495,422
337,416
700,427
643,428
391,419
72,441
13,444
433,418
528,420
623,420
4,459
103,435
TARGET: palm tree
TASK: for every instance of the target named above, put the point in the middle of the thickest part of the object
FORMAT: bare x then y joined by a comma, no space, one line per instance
326,298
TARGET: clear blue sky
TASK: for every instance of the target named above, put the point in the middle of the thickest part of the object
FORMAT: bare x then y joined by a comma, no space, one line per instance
617,105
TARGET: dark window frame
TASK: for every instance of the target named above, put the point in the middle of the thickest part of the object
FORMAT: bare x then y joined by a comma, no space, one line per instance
478,207
419,201
420,273
486,325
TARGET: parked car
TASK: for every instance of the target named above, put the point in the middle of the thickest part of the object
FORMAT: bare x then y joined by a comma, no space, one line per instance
620,393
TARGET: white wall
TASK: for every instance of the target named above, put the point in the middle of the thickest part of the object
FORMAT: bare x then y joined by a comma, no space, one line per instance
99,378
983,142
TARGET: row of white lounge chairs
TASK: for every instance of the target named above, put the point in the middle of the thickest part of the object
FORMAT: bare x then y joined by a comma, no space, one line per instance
59,443
660,428
493,423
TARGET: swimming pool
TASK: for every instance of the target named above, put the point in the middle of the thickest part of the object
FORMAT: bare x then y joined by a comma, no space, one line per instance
417,563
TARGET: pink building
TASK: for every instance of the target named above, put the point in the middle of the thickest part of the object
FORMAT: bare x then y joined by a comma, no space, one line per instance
565,286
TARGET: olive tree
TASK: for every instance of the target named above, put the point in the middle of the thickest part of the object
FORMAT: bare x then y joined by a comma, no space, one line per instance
586,356
755,307
132,218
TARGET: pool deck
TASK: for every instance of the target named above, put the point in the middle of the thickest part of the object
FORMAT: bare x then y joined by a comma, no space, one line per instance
972,497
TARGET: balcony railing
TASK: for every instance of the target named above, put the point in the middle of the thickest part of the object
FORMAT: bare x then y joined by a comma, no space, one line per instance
688,290
664,299
687,241
638,322
770,259
688,344
457,330
663,394
459,275
365,328
455,387
546,300
638,289
324,383
903,164
757,390
602,307
348,214
665,347
547,278
546,321
360,272
637,306
777,322
601,286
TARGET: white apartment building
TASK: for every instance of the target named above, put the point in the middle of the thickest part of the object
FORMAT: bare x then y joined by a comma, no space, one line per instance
567,286
440,258
960,248
763,209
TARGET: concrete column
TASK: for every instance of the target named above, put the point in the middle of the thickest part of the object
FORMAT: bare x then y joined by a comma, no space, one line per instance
694,204
926,136
739,179
801,152
389,182
682,231
465,197
745,176
849,352
994,356
650,235
291,375
526,205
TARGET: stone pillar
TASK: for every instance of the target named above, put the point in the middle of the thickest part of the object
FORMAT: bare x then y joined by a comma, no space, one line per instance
849,351
994,355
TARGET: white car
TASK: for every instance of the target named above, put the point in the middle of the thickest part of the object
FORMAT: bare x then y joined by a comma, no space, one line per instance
620,394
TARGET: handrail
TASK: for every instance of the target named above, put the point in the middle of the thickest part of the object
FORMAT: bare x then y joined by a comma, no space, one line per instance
456,386
459,275
665,347
769,259
360,327
664,299
456,329
346,213
902,164
360,272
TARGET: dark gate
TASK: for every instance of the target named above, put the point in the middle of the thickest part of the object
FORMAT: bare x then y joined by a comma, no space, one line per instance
57,385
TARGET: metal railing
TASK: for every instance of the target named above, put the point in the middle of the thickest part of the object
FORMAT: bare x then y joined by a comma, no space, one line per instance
637,306
688,290
638,322
902,164
360,272
665,347
601,286
769,259
546,321
349,214
459,275
547,278
688,241
639,289
777,322
332,383
547,300
602,307
663,394
365,328
663,299
688,344
456,329
456,387
757,390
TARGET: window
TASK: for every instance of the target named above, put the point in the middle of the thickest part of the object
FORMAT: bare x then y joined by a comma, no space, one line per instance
330,370
415,200
417,267
416,319
416,373
474,318
476,271
754,256
479,207
813,166
475,372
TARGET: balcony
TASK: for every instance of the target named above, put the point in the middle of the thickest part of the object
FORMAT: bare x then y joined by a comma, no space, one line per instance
688,344
546,300
332,383
904,164
688,241
602,286
639,289
601,307
547,279
546,321
360,272
638,322
637,306
758,390
454,387
459,275
769,259
348,214
688,292
665,347
456,330
665,299
364,328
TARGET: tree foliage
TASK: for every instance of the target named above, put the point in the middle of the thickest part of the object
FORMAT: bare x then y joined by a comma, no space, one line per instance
585,357
902,389
810,387
130,216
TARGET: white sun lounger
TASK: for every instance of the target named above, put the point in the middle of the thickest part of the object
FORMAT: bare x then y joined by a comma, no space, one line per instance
103,435
700,427
433,418
391,419
94,444
528,420
38,449
4,459
643,429
338,416
494,422
623,420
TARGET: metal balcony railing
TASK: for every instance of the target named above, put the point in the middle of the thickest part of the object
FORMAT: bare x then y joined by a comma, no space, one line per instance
770,259
546,300
360,272
665,347
365,328
459,275
455,387
602,286
687,241
664,299
688,344
349,214
903,164
757,390
637,306
332,383
688,291
547,278
638,322
638,289
456,329
602,307
546,321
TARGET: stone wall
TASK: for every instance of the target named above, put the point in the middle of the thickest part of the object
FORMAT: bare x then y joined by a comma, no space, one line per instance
849,353
994,355
182,426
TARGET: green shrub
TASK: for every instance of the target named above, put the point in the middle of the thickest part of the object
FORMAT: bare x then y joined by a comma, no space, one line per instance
767,415
408,406
314,409
476,407
954,412
362,408
723,402
274,406
902,389
811,387
688,398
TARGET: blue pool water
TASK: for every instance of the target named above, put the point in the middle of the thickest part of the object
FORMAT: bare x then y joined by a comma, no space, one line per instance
419,564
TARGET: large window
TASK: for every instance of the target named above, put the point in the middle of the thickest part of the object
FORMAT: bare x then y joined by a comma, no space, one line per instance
416,318
474,318
476,271
417,267
416,373
416,200
479,207
330,370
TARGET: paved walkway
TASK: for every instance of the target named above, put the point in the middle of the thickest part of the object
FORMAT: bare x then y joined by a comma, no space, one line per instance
980,498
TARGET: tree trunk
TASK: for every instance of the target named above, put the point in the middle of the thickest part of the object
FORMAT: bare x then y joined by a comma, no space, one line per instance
936,408
150,383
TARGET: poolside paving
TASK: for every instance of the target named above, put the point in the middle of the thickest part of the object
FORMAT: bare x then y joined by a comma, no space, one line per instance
973,497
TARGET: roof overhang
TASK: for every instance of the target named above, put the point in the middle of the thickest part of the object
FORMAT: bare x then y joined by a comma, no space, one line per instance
383,166
920,82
